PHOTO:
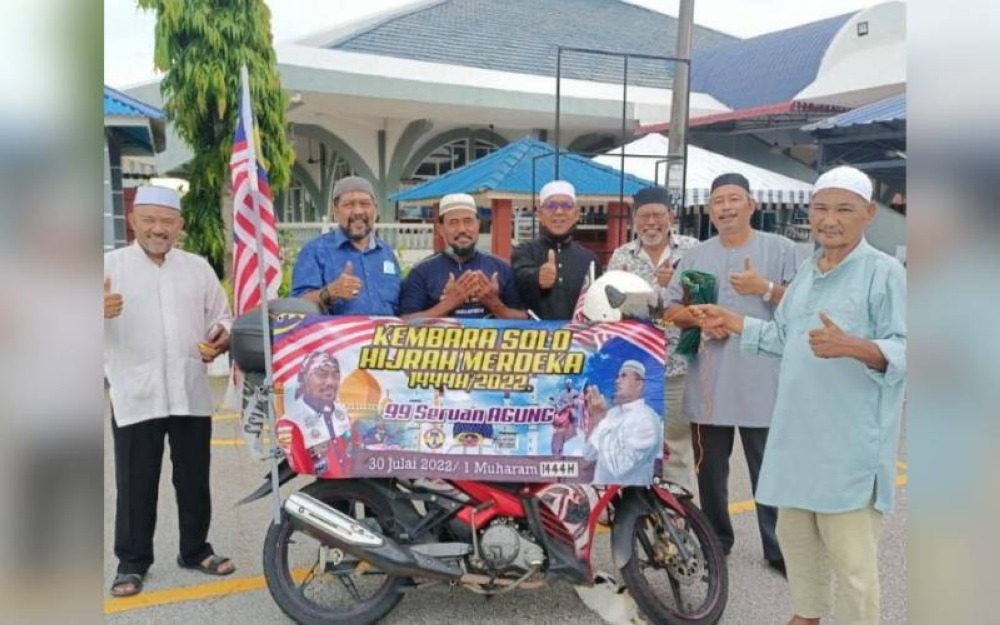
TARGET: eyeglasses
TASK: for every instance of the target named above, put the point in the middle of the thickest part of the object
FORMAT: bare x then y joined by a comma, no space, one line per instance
554,206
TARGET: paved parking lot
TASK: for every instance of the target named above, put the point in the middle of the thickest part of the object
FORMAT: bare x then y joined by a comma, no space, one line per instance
172,595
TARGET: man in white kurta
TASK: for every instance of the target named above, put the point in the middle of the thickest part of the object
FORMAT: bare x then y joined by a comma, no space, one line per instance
830,463
166,317
626,439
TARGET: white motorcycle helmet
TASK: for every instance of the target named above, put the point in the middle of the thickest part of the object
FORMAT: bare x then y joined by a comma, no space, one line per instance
618,294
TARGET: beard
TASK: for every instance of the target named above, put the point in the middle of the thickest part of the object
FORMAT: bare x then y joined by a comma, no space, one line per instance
153,244
653,239
463,250
358,228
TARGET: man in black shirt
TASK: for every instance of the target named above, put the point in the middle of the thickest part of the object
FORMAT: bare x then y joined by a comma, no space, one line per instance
550,271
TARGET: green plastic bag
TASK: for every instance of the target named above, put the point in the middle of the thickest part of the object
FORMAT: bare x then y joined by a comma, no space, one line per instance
699,288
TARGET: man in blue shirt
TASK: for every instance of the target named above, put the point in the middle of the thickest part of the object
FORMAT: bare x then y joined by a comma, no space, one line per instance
830,461
461,281
349,271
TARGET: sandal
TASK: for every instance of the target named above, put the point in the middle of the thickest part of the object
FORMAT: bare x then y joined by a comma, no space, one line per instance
123,579
215,563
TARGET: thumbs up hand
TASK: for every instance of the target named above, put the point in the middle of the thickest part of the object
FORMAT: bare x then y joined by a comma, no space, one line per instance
664,273
347,286
113,302
547,273
748,281
830,341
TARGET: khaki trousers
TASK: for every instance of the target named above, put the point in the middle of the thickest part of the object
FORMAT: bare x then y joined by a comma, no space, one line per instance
818,547
679,467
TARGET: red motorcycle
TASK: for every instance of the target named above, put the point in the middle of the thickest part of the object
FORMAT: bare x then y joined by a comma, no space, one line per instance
347,550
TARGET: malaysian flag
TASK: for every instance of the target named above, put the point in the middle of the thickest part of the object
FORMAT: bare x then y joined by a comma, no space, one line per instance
295,337
251,197
644,335
251,194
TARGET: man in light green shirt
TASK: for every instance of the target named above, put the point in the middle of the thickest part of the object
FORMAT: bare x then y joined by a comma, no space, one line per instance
830,461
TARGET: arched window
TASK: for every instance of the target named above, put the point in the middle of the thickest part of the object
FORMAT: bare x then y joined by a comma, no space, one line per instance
452,155
297,205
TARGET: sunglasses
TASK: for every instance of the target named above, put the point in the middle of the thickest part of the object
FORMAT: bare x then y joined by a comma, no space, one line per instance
554,206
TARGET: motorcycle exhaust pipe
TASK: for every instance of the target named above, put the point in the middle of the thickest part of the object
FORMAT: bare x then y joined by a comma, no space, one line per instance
336,529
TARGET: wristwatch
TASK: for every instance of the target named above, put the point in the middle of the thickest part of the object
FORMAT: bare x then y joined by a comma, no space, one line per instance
770,291
324,297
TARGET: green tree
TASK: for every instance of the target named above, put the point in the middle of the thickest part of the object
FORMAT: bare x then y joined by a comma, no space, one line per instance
200,46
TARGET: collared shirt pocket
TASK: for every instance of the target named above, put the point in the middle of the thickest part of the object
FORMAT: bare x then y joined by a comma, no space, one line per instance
851,316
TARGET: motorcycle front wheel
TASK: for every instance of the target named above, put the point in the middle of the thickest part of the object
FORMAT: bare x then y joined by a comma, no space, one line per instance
313,583
671,589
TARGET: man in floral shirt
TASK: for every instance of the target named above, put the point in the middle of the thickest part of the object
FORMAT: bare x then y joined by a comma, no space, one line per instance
653,256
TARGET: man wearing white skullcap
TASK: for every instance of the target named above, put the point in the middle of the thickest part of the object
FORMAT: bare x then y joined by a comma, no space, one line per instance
550,271
830,461
626,440
322,435
166,317
461,281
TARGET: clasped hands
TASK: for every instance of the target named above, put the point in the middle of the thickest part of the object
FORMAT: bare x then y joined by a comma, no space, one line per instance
471,287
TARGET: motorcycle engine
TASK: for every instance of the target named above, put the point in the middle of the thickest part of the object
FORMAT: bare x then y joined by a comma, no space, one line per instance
502,547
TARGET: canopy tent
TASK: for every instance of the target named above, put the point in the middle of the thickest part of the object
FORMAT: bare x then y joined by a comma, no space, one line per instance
703,166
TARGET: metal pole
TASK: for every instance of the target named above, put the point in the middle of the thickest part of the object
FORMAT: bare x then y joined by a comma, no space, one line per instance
677,151
534,198
265,318
558,99
621,179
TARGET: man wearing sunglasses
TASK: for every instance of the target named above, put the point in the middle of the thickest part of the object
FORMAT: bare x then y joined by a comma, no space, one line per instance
550,271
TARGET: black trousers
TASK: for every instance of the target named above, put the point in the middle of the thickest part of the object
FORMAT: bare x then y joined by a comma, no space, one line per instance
713,445
138,460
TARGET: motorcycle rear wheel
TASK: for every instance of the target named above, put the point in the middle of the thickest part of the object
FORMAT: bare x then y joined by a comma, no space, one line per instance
707,566
287,552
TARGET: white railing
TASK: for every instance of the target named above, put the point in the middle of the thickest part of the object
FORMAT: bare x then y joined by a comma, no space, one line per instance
412,241
404,236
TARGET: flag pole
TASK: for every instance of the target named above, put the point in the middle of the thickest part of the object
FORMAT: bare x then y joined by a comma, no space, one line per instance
250,129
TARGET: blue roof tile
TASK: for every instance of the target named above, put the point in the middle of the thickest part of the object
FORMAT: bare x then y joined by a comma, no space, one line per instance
117,103
509,169
522,36
888,110
767,69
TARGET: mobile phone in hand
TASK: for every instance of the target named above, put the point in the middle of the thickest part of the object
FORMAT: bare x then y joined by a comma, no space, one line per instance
214,332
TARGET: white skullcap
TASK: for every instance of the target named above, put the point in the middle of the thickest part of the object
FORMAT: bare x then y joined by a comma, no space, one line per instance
634,365
157,196
456,201
557,187
848,179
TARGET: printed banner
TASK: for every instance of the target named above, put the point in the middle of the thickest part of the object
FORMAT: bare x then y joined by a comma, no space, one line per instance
485,399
